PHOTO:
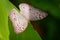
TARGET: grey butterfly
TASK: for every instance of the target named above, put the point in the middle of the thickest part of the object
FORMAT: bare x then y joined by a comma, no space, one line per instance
27,13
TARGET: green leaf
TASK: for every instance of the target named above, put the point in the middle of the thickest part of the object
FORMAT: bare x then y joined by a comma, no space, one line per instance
5,7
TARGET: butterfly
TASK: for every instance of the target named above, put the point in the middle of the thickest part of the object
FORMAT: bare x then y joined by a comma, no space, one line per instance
27,13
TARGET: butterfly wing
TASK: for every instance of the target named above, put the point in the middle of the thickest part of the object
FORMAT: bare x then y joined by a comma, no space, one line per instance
24,10
31,13
19,22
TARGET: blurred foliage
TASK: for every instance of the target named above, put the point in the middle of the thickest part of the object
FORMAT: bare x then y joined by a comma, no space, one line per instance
5,7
